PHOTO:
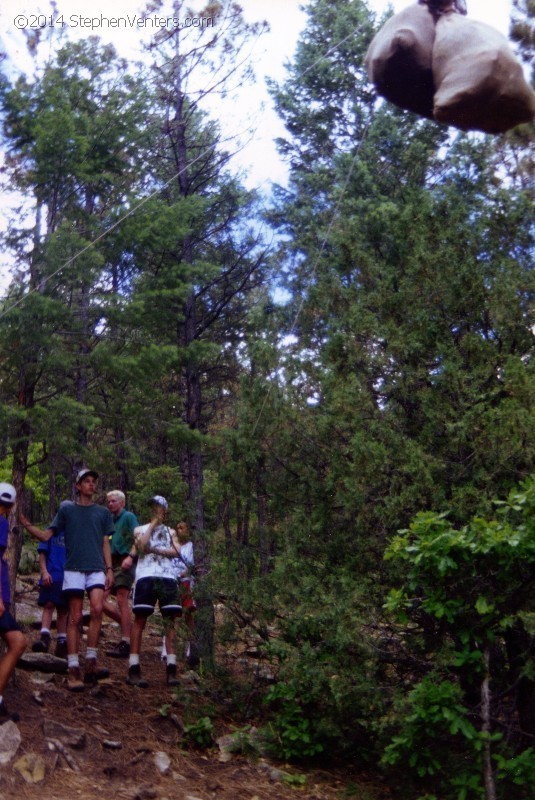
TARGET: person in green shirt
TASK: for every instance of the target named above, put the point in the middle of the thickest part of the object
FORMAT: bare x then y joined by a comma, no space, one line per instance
124,570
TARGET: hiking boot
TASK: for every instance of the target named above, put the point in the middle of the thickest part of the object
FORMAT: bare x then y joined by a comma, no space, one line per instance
172,679
42,644
74,680
5,716
92,674
121,650
134,677
61,649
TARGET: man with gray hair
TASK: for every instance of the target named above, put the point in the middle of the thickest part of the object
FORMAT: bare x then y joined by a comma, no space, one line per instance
124,570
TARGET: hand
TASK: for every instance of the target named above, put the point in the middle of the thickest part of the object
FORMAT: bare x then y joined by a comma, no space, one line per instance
127,562
2,608
110,579
46,579
24,521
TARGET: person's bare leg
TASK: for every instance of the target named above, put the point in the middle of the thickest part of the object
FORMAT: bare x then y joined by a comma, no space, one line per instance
46,616
112,611
43,643
61,621
73,625
123,595
16,645
134,670
170,645
170,642
136,634
96,598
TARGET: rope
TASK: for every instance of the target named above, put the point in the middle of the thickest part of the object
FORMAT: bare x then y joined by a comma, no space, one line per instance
139,205
105,233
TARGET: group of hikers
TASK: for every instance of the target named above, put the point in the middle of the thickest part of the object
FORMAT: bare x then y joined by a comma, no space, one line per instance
98,551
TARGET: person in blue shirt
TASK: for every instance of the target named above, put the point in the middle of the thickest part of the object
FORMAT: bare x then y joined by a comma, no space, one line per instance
10,632
52,566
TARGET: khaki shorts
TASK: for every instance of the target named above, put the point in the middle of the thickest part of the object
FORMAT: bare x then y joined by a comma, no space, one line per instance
123,578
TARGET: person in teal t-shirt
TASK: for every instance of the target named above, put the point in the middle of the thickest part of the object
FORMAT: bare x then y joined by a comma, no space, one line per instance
87,528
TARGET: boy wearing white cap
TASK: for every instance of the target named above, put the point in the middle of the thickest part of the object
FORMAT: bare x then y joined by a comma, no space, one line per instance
157,546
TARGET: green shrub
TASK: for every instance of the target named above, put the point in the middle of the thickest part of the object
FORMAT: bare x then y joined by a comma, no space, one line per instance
464,590
199,734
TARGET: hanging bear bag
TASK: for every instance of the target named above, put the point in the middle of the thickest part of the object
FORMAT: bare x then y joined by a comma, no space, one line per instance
399,60
479,83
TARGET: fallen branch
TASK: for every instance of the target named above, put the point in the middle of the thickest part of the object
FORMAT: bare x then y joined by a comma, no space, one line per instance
137,758
73,764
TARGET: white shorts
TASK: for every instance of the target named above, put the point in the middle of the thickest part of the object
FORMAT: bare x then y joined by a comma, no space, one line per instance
76,583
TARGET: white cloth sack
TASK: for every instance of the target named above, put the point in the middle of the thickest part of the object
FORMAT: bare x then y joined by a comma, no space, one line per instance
399,60
479,83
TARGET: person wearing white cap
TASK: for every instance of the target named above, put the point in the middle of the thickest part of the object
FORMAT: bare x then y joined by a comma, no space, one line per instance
88,568
9,630
157,546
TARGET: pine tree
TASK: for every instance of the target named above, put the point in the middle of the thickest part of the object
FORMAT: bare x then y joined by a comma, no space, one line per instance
67,134
407,256
194,258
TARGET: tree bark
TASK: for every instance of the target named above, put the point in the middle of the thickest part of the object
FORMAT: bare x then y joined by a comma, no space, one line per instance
486,728
225,519
261,504
520,646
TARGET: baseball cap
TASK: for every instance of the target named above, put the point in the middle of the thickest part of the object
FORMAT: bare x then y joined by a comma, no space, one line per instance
84,472
8,494
159,500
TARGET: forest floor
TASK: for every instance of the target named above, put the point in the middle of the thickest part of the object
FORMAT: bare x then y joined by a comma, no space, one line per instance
130,744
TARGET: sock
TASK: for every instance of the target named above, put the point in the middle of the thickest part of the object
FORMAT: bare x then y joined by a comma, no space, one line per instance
45,630
171,660
125,639
91,652
62,637
133,660
73,661
1,699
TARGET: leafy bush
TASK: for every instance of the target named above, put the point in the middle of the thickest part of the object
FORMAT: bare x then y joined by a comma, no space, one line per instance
433,714
294,733
326,694
200,733
464,592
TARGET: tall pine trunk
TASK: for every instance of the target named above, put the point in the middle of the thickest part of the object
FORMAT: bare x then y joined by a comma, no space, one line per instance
204,628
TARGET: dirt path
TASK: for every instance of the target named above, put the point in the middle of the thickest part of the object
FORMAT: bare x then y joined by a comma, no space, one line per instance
125,730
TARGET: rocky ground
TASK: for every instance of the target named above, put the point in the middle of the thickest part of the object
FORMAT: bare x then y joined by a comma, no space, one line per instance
119,741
